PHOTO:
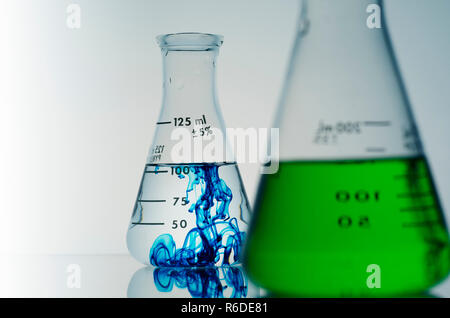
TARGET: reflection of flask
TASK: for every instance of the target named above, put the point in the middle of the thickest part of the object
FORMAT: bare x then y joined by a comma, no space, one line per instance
195,282
353,210
191,209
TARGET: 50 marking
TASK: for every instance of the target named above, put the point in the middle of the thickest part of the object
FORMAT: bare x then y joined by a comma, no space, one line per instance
182,224
346,221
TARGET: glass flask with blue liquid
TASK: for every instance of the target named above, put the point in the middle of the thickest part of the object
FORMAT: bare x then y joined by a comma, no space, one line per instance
191,282
191,208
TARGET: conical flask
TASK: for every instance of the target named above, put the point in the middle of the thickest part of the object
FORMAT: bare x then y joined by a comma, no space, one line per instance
352,210
191,208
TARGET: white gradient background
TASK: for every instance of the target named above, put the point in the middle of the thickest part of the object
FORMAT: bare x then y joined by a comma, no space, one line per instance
78,107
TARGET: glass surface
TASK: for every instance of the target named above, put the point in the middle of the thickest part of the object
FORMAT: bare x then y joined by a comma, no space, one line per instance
107,275
352,210
195,282
191,208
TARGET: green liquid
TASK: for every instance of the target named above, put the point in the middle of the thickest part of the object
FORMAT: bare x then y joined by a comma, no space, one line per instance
319,226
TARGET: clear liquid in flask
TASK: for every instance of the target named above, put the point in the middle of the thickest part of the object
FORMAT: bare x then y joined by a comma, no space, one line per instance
189,215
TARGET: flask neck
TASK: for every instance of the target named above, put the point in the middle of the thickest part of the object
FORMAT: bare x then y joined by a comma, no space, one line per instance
343,97
189,77
337,16
340,30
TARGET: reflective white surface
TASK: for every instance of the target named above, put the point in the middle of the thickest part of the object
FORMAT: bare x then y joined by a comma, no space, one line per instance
100,276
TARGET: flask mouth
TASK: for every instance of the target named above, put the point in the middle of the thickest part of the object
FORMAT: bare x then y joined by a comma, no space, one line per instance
189,41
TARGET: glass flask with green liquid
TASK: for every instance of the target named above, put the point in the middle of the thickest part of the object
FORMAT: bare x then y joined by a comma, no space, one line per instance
352,210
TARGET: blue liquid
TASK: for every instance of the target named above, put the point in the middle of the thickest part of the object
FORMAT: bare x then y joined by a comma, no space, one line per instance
203,282
205,224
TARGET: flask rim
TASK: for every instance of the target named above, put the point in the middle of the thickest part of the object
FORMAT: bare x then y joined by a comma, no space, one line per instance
189,41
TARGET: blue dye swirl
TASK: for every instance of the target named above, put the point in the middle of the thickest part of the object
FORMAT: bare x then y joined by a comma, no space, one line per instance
216,239
202,282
